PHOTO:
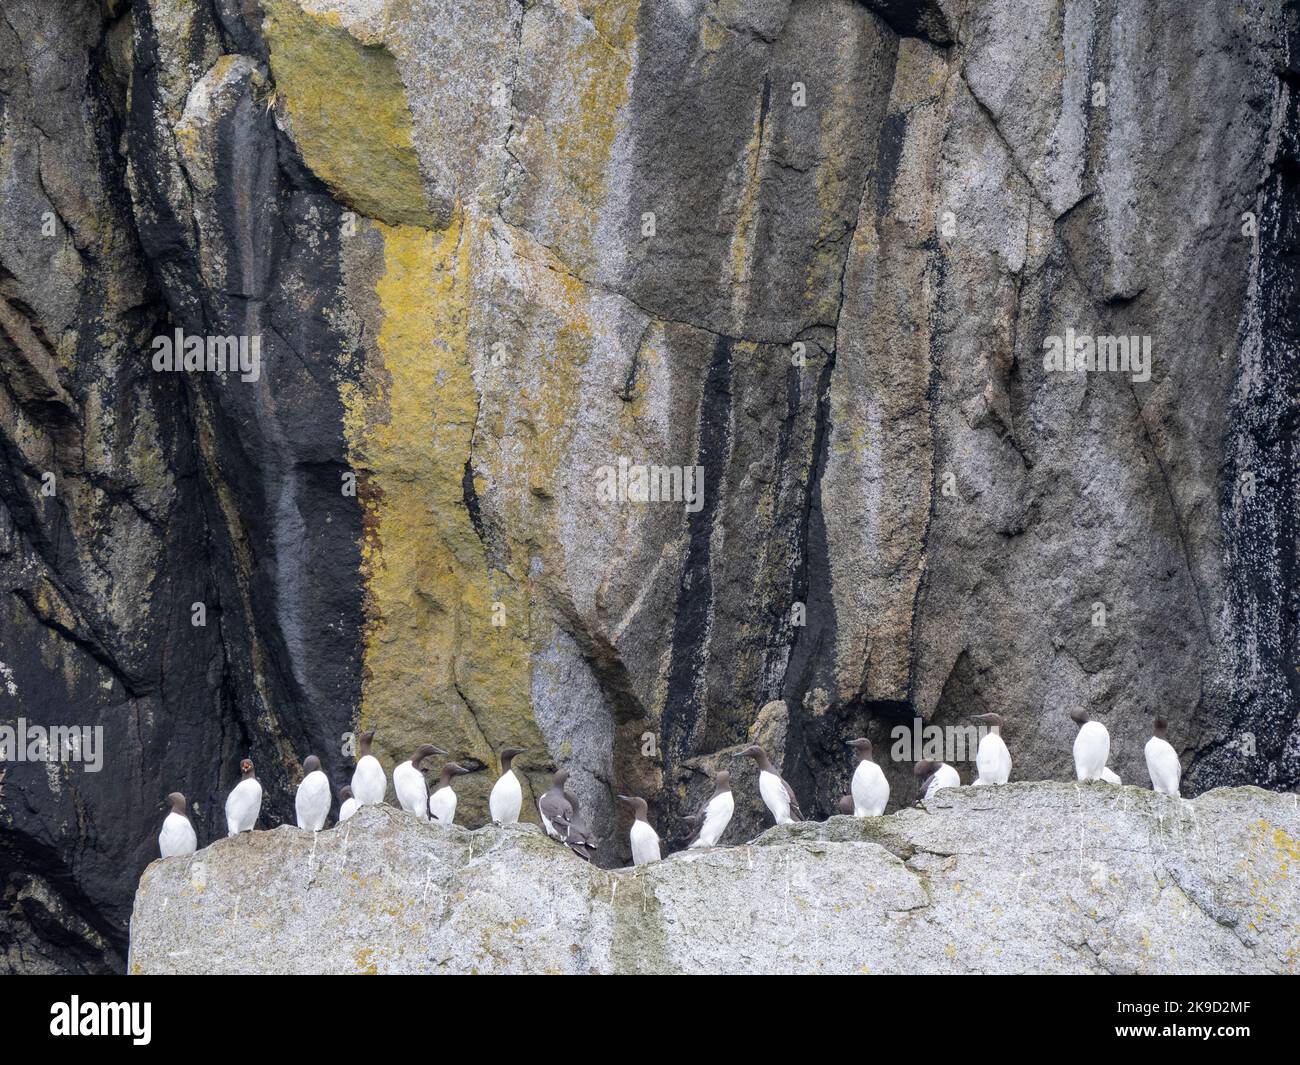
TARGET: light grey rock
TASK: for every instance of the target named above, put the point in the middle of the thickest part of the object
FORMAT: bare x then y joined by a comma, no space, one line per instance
432,212
1025,878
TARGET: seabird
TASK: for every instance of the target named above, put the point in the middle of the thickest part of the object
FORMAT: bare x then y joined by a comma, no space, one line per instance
580,838
556,808
409,783
869,789
507,796
1108,776
992,759
369,783
645,840
177,835
442,803
312,803
244,802
347,804
1091,746
776,793
845,805
935,776
1162,761
711,820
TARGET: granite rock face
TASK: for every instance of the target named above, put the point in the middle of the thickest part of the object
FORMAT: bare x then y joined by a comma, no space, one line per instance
493,253
1040,878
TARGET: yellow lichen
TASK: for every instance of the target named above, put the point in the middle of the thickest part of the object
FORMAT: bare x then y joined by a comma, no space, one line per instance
433,655
348,112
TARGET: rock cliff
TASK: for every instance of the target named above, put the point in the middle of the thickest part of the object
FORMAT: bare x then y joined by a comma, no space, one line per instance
1040,878
492,250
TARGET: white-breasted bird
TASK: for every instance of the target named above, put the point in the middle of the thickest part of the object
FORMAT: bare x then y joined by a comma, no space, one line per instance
1110,777
777,795
507,797
992,759
555,808
711,820
1162,761
347,804
935,776
244,802
411,788
645,840
562,819
442,802
312,803
369,781
1091,746
177,835
869,788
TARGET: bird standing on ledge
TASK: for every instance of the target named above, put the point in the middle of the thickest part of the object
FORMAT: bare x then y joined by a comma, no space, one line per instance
645,840
177,835
442,803
1162,761
507,796
369,783
244,802
1091,747
776,793
869,788
312,803
711,820
409,783
992,759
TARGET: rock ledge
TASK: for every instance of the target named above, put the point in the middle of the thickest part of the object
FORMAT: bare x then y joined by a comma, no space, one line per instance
1032,877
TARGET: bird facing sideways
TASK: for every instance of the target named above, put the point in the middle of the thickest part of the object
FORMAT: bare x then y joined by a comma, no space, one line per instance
644,839
442,803
713,817
777,795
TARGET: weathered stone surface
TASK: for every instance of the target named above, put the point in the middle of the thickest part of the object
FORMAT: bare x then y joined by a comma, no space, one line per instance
435,214
1039,878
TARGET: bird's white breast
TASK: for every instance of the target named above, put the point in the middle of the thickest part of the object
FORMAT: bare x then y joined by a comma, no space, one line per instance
177,836
645,843
506,799
442,805
870,790
944,777
1163,765
1091,749
368,781
312,804
348,808
412,791
775,797
993,760
717,815
243,805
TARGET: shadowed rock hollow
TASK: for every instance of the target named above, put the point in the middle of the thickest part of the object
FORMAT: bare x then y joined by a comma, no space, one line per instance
436,215
1041,878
